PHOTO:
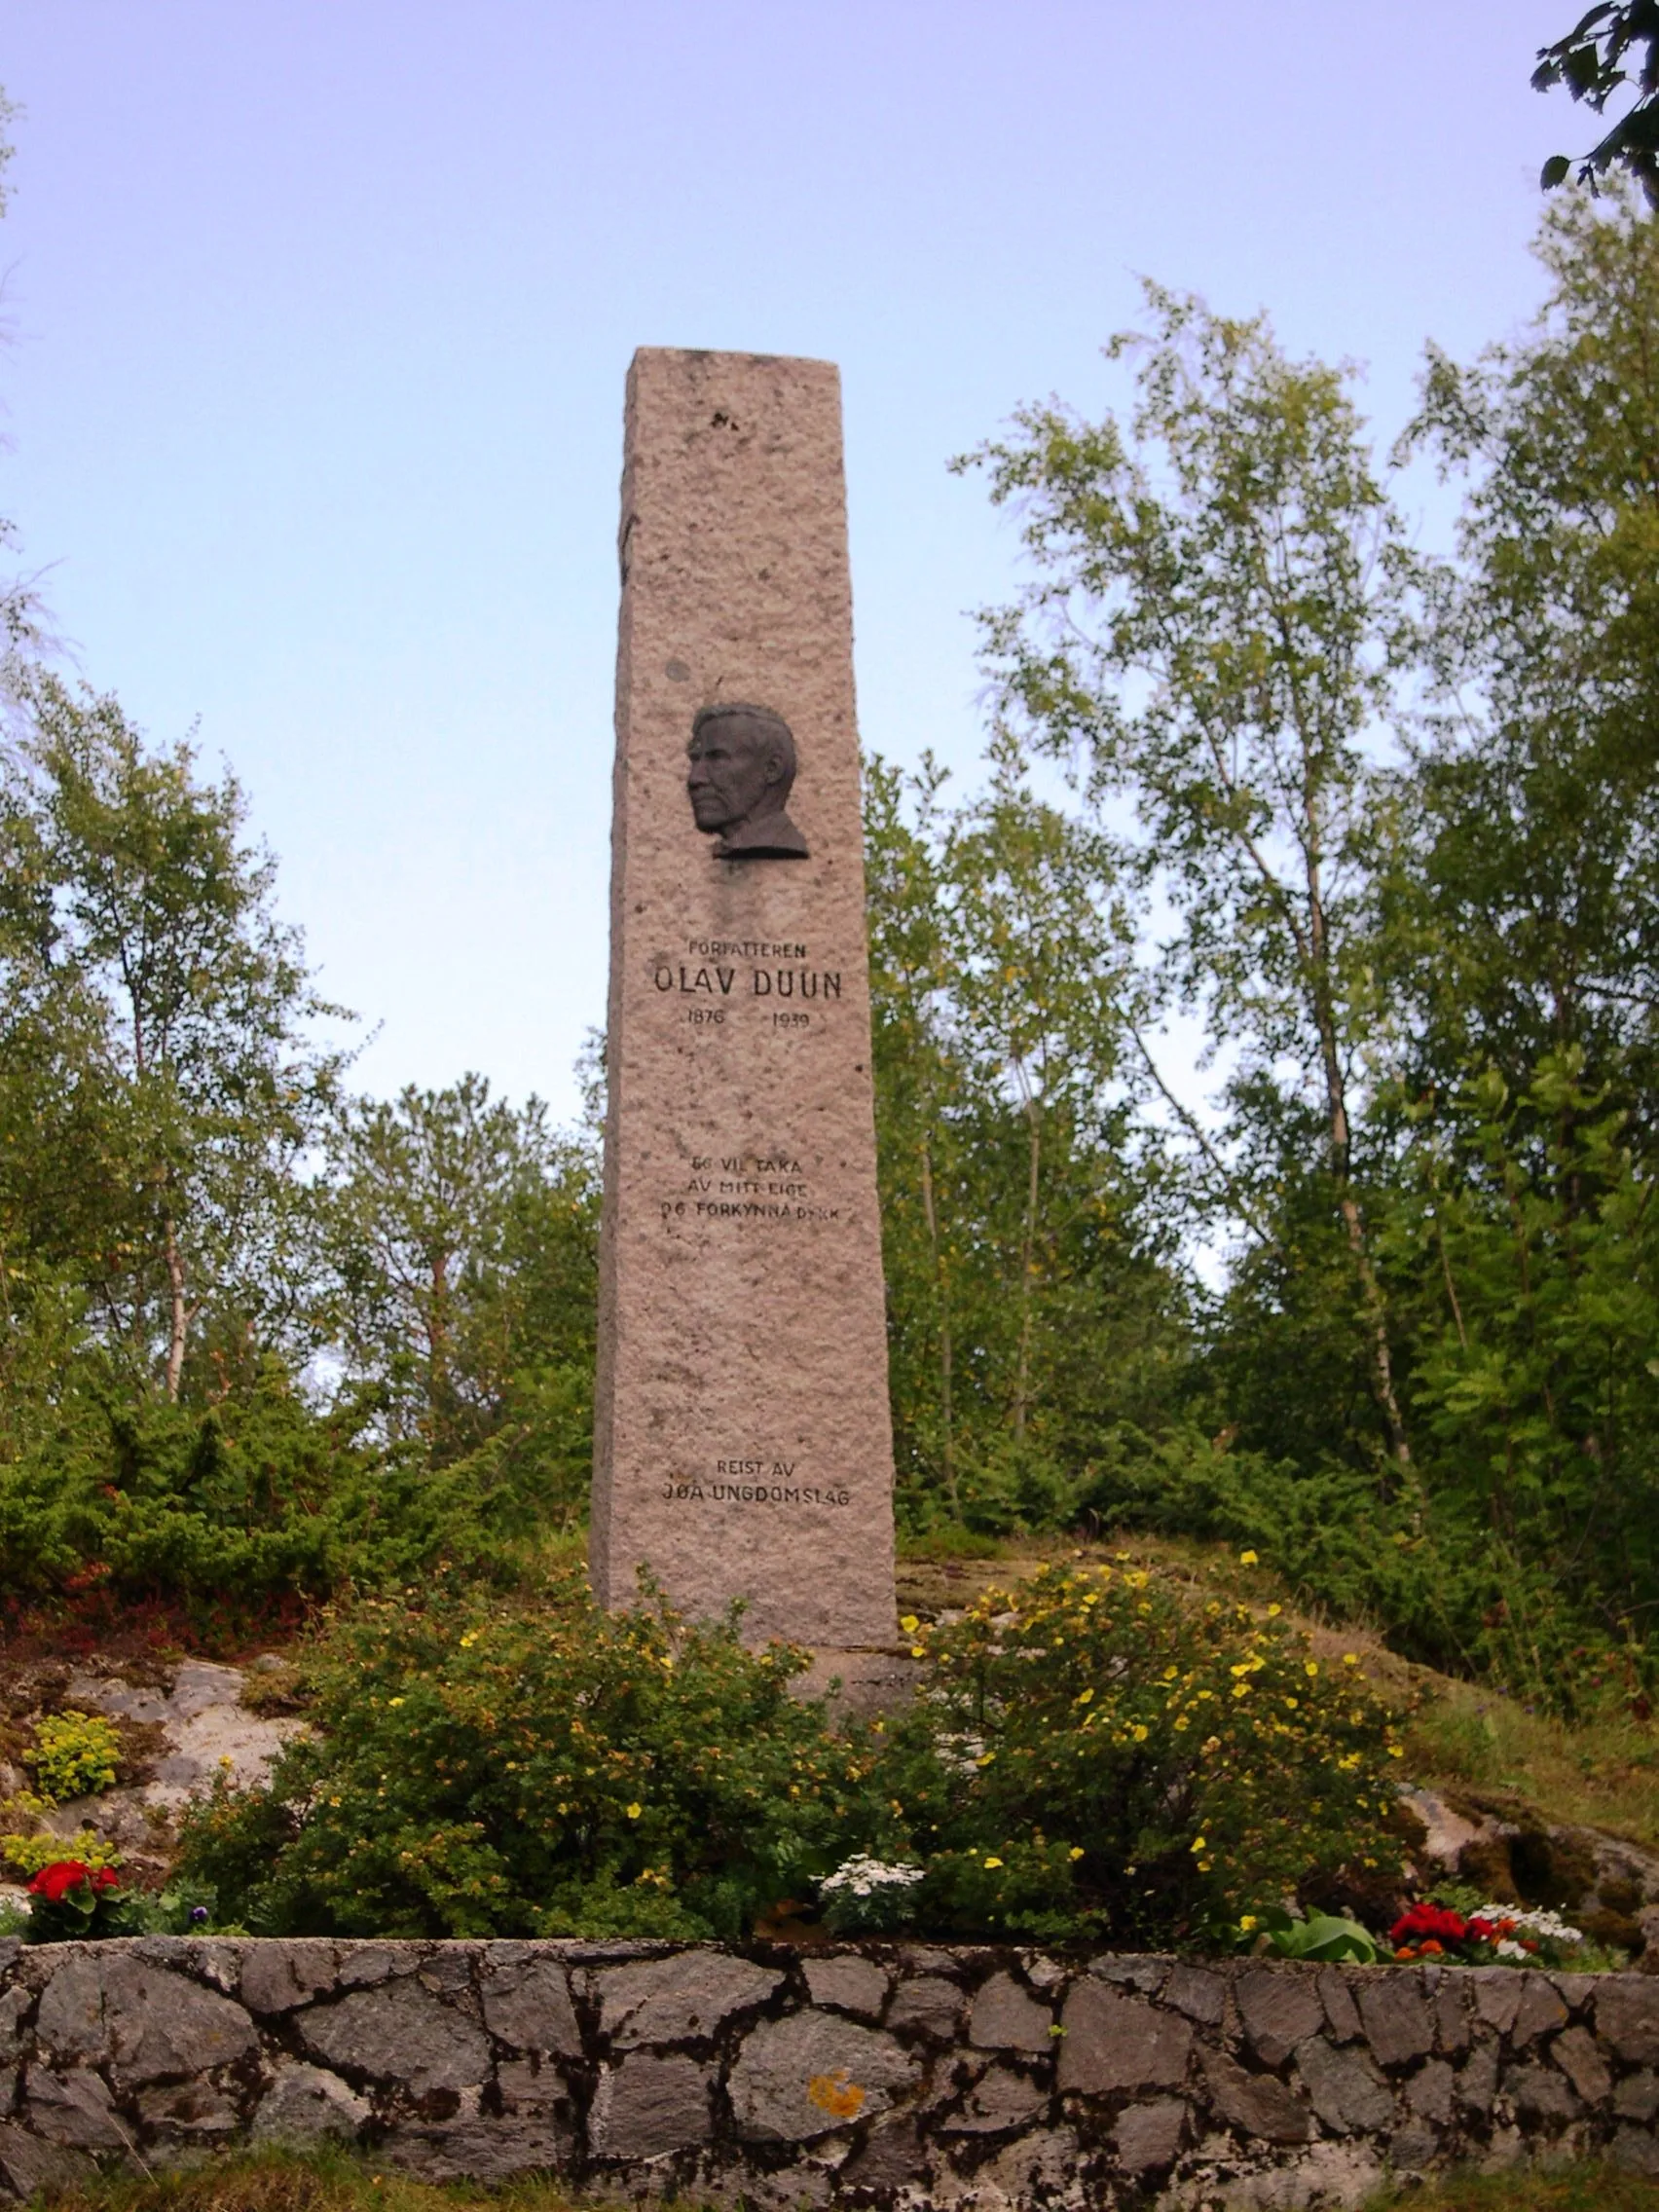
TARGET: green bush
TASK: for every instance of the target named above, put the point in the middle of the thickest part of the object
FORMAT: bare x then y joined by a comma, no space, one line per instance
535,1767
1105,1752
74,1755
1096,1754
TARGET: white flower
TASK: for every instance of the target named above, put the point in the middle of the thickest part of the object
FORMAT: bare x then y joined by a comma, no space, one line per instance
1549,1926
1508,1950
863,1876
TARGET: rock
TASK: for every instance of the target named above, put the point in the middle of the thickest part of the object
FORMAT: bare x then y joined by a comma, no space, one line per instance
848,1984
1199,1994
1540,2012
1430,2092
474,2150
304,2104
398,2032
74,2106
1341,2014
928,2005
669,2000
528,2005
1345,2088
1636,2098
1001,2099
1578,2058
1635,2150
1006,2017
893,2157
1256,2104
1413,2148
146,2024
13,2004
1147,2136
1497,1996
1447,1833
1451,2014
1627,2016
1539,2094
30,2166
1477,2080
1148,1975
527,2086
1121,2043
367,1964
1397,2019
276,1977
649,2106
1278,2010
813,2072
195,2110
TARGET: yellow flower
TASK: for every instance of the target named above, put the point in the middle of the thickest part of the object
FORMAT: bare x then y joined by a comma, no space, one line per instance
985,1758
469,1640
917,1652
1084,1697
1396,1753
993,1862
1181,1723
909,1624
635,1810
1139,1731
1249,1924
390,1701
1199,1843
1311,1669
1076,1851
1248,1559
1350,1658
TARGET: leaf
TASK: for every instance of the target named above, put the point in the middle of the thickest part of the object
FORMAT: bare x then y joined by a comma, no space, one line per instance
1554,172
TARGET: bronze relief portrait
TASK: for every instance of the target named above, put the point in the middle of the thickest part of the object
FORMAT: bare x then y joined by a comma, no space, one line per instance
742,768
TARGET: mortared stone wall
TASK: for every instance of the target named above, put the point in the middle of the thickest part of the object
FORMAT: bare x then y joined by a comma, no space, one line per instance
867,2075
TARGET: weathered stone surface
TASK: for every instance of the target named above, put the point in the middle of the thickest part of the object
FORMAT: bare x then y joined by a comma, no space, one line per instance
1635,2150
1006,2017
1000,2099
197,2111
1430,2091
13,2005
1148,1974
649,2106
1540,2012
1341,2014
1121,2043
280,1977
1278,2010
1537,2093
1344,2088
74,2106
1477,2079
528,2005
930,2005
1199,1993
475,2149
397,2031
1398,2025
306,2104
1451,2015
1497,1996
527,2086
849,1984
370,1963
29,2165
1149,2136
813,2072
893,2156
671,2000
1627,2016
1578,2058
1255,2103
1636,2098
740,1461
146,2024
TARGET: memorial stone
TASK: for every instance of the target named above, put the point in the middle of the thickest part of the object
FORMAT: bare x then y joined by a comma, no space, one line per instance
742,1437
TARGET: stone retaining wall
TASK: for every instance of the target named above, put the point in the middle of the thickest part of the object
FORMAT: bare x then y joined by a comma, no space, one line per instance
870,2075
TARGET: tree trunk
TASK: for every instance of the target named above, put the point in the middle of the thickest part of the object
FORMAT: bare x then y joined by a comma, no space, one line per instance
1027,1257
180,1313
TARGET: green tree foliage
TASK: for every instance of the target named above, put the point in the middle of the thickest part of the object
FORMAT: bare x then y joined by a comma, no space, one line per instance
1591,62
1030,1305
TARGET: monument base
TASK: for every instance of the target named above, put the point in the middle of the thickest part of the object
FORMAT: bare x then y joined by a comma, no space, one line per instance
867,1678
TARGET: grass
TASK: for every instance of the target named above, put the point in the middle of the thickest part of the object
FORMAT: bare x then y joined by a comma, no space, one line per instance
1571,2189
275,2181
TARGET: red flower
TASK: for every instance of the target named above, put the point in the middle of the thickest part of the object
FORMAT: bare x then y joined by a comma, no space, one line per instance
106,1879
1436,1920
54,1882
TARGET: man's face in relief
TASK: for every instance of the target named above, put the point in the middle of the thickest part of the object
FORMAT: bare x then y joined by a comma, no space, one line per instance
733,768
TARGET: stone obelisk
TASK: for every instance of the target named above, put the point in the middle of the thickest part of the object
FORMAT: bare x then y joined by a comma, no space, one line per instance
742,1437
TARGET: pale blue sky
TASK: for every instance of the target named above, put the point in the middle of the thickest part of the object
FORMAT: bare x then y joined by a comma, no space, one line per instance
322,314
